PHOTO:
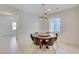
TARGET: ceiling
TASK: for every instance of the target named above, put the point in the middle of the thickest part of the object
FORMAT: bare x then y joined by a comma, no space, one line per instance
36,9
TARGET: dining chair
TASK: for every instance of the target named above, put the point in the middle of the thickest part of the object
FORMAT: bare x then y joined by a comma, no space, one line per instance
32,37
35,43
36,32
52,40
35,40
55,38
51,43
48,32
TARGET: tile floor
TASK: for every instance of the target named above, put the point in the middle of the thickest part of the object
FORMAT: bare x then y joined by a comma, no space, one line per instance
10,45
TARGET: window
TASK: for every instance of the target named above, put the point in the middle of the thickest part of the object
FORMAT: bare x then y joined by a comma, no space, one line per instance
54,25
13,25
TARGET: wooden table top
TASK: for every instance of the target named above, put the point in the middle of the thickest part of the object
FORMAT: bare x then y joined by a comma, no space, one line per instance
44,36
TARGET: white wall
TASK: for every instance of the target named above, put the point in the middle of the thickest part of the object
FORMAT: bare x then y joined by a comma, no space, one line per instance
69,25
69,31
5,25
7,16
44,26
26,24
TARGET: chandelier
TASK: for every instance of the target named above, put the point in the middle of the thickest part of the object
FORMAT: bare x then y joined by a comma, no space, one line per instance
45,11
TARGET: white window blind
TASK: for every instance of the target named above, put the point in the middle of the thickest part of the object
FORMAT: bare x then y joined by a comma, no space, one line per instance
54,24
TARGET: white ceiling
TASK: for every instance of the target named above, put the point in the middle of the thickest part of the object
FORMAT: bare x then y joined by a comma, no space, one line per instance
36,9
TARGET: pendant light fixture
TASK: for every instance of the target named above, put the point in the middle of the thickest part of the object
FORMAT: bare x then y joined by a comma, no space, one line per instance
44,10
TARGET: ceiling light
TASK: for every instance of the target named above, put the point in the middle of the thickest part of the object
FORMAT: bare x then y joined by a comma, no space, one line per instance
49,9
45,11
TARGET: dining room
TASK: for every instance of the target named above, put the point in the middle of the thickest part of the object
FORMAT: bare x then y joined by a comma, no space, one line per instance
60,19
39,28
